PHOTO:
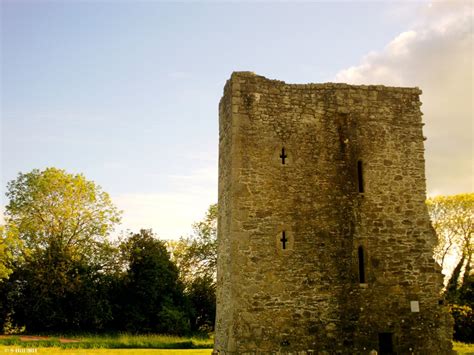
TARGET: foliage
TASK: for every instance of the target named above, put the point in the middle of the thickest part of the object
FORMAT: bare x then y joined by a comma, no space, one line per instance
196,256
53,207
465,294
54,292
65,275
463,323
174,320
202,297
152,293
453,219
60,280
9,247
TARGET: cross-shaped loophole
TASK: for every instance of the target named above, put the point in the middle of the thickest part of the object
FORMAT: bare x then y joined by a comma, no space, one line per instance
283,239
283,155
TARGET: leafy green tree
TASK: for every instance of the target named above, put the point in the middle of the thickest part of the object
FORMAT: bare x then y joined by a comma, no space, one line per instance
54,207
196,257
152,295
453,219
9,246
463,322
63,222
56,292
202,298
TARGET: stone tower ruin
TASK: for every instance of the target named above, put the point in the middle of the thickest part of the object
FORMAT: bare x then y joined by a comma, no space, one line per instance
325,244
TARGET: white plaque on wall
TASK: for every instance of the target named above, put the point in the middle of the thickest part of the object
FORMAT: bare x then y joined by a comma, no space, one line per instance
415,306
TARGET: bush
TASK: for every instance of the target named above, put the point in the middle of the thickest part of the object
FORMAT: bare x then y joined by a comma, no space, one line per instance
202,297
173,321
463,323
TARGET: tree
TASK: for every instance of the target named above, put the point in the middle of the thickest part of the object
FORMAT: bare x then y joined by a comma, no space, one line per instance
152,294
53,207
463,322
196,257
202,297
56,292
453,220
63,222
9,245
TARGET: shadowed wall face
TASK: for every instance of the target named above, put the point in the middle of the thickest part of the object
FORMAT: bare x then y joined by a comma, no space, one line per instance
324,239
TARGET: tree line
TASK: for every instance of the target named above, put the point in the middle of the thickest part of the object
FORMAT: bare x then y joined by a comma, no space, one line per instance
60,270
453,220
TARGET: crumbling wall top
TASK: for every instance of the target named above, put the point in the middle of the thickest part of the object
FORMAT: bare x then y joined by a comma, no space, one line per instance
326,86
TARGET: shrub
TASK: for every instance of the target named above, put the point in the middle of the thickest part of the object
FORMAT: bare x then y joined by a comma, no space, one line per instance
463,323
174,321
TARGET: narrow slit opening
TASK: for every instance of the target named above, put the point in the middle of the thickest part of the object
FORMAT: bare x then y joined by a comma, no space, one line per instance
283,240
360,252
360,177
283,156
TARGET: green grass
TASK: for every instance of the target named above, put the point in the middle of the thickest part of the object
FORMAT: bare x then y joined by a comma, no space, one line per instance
116,341
128,344
60,351
463,348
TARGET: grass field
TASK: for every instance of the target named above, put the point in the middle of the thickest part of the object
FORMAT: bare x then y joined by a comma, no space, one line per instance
58,351
129,340
116,341
462,348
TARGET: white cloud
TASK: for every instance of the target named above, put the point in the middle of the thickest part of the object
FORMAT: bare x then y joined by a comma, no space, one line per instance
436,54
170,214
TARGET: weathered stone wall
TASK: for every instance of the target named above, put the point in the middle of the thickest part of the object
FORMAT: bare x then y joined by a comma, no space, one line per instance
303,292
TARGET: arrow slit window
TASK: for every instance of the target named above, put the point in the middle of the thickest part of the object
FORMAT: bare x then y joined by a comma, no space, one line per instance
360,253
360,177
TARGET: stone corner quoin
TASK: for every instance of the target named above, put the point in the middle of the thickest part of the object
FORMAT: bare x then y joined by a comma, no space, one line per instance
324,240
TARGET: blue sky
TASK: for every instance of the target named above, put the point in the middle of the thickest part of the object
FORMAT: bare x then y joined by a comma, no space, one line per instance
127,92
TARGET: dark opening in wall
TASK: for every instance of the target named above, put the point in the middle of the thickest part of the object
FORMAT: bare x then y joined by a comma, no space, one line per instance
283,240
360,177
283,155
385,343
360,252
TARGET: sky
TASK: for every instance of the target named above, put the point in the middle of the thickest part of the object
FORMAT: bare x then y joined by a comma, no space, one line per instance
127,92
